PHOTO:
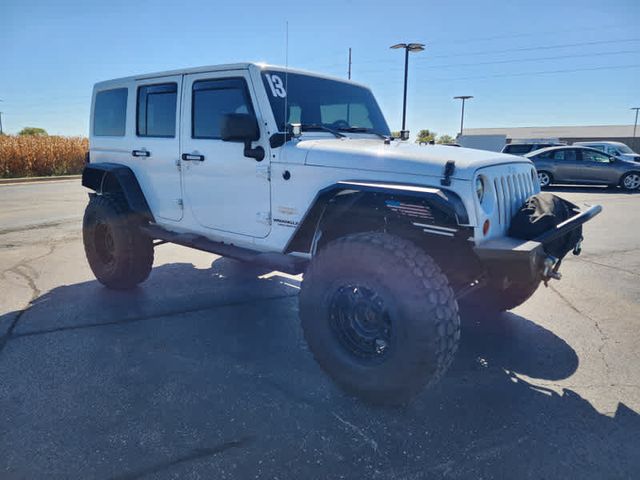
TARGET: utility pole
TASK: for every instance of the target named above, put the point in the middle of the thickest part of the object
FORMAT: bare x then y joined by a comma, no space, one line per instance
463,98
349,63
635,125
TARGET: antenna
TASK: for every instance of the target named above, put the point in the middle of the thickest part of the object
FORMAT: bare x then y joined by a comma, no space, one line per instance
286,76
349,63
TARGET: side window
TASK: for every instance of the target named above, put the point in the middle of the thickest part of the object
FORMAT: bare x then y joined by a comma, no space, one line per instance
157,110
568,155
519,149
611,150
110,113
593,156
211,99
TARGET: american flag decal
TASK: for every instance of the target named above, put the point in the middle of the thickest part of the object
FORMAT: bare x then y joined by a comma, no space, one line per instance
409,209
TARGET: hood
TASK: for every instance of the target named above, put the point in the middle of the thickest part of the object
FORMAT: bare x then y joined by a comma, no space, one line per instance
630,157
400,157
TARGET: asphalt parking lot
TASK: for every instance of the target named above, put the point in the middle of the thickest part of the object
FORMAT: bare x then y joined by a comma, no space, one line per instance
202,371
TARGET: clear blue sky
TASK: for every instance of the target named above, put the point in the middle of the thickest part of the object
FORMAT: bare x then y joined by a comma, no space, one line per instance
537,62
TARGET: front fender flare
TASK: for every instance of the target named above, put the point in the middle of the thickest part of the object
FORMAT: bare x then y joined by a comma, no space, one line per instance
442,200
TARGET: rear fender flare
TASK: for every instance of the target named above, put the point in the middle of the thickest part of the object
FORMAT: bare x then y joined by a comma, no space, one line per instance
116,178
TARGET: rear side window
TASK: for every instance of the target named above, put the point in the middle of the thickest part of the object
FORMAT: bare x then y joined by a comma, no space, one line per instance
110,113
518,149
565,155
211,99
157,110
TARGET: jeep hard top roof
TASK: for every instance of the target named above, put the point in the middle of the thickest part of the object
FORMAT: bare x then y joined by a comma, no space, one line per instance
221,68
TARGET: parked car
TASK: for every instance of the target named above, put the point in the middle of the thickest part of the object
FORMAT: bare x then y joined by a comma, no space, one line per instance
571,164
524,148
617,149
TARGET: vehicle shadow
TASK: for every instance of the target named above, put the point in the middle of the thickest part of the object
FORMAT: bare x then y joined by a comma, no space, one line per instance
205,373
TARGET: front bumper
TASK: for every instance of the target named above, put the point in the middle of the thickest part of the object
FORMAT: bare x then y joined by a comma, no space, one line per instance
525,260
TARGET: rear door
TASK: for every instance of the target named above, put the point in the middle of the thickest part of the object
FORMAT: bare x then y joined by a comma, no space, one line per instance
156,145
567,164
224,189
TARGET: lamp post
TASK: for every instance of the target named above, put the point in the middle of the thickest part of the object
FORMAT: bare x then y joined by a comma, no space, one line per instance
408,47
635,125
463,98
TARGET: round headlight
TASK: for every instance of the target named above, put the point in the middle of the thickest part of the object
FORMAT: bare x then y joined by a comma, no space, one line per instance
480,188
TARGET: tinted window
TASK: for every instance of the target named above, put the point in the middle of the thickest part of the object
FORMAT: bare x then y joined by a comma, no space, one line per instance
214,98
322,102
157,110
110,113
518,149
593,156
564,155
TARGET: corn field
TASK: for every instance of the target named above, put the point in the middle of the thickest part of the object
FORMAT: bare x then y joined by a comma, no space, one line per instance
36,156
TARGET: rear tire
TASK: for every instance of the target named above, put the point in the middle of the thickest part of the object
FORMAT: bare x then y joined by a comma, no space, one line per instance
379,316
119,254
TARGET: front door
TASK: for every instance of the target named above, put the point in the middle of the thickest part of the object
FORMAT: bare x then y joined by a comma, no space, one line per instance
156,146
223,189
598,168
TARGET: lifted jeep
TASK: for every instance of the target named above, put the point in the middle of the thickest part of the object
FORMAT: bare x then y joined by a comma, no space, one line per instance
298,172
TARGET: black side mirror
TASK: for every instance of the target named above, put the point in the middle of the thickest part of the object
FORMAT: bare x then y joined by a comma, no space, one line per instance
242,127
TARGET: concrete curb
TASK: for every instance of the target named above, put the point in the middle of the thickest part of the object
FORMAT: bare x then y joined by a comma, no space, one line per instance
11,181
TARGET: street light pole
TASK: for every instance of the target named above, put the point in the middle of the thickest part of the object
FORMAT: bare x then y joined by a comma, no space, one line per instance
635,125
463,98
408,47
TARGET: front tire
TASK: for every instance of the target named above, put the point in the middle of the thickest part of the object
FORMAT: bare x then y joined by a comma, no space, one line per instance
544,178
379,316
630,181
119,254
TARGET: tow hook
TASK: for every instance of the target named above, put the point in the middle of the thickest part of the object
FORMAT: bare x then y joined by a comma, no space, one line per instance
550,269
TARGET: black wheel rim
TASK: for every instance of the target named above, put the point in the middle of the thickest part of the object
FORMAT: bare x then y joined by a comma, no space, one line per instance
105,246
361,323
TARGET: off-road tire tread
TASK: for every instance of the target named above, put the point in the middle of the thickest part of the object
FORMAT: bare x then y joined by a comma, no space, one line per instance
136,258
439,309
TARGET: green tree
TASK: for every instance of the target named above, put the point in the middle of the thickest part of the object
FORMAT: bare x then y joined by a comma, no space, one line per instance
425,136
36,131
445,139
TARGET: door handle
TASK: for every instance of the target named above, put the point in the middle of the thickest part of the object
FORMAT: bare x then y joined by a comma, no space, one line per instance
141,153
192,157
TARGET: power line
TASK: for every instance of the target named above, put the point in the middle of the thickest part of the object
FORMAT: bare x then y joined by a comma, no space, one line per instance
543,72
535,59
531,49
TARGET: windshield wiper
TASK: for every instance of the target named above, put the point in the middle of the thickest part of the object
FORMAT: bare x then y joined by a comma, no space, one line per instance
364,130
316,126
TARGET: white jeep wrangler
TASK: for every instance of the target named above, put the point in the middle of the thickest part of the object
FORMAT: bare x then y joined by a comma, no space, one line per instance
297,171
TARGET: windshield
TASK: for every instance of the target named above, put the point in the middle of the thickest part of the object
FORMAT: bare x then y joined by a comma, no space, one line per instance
622,148
323,103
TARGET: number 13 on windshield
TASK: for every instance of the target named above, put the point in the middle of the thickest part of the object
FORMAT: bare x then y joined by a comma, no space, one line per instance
276,85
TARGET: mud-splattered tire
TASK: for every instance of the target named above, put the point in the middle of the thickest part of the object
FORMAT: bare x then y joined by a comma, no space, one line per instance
379,316
119,254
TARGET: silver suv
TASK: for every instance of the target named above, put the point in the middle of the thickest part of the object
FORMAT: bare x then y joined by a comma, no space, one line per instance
617,149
